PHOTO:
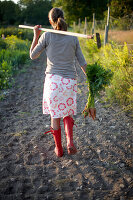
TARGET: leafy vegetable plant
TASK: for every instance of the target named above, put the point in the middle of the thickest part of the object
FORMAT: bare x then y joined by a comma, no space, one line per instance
97,78
14,52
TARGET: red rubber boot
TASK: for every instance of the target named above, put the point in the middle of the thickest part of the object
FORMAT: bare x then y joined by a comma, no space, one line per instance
68,126
57,138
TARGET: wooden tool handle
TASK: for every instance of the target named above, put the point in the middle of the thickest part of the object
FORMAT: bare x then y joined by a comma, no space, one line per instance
56,31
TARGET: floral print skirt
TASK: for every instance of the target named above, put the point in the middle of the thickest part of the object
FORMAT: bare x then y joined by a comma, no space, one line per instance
59,96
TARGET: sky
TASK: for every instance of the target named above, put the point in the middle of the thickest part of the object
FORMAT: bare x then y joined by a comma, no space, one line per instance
15,1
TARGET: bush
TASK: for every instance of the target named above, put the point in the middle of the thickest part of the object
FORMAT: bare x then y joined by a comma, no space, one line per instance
119,60
13,43
14,53
20,33
5,74
2,44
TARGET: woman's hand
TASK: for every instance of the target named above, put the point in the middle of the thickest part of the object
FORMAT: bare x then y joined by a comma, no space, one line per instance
37,31
90,36
35,38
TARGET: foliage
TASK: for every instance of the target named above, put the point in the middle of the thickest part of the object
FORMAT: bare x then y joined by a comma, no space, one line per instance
20,33
36,11
124,23
5,74
2,44
9,13
13,54
119,60
121,8
26,11
14,43
97,78
121,14
81,8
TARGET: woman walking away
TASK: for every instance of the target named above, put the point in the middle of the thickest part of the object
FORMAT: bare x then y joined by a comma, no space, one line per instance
60,87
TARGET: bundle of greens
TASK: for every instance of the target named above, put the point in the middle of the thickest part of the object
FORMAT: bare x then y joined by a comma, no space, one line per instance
97,78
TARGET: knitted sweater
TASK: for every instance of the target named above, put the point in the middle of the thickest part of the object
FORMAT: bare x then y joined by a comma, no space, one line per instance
61,51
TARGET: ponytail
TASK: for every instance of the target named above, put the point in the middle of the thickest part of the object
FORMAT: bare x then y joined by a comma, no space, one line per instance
61,24
56,16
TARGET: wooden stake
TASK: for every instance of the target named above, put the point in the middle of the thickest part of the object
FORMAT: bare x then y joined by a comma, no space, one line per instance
93,25
79,24
85,27
108,16
107,28
74,26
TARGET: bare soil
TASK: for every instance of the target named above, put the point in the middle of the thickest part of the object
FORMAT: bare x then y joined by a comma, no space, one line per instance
102,169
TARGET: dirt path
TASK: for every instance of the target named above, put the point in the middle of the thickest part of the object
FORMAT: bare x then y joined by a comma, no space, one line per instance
29,170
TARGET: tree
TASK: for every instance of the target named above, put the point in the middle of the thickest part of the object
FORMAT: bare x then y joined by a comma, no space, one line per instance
121,8
75,9
35,11
9,13
29,11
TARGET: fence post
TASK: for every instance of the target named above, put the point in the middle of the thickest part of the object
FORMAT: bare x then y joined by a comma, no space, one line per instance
93,25
107,28
106,35
79,24
85,27
74,24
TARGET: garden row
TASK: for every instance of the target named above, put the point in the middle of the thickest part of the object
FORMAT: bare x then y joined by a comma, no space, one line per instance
14,52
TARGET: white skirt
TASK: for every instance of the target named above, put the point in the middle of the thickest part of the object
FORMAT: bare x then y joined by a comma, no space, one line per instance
59,96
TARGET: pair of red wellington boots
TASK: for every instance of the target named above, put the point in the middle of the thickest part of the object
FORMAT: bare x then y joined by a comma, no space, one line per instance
68,126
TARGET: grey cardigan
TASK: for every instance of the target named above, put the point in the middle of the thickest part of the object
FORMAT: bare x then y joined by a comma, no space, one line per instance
61,51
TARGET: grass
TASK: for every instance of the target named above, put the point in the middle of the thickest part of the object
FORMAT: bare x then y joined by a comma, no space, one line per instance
121,37
118,36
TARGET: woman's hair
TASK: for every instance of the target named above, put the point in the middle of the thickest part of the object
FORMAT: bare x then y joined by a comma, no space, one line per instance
56,16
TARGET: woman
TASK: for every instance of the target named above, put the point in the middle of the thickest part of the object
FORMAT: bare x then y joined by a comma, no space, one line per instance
60,88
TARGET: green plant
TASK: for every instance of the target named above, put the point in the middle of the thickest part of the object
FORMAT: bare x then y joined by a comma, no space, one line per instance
97,78
2,44
5,74
13,43
20,33
119,60
14,53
